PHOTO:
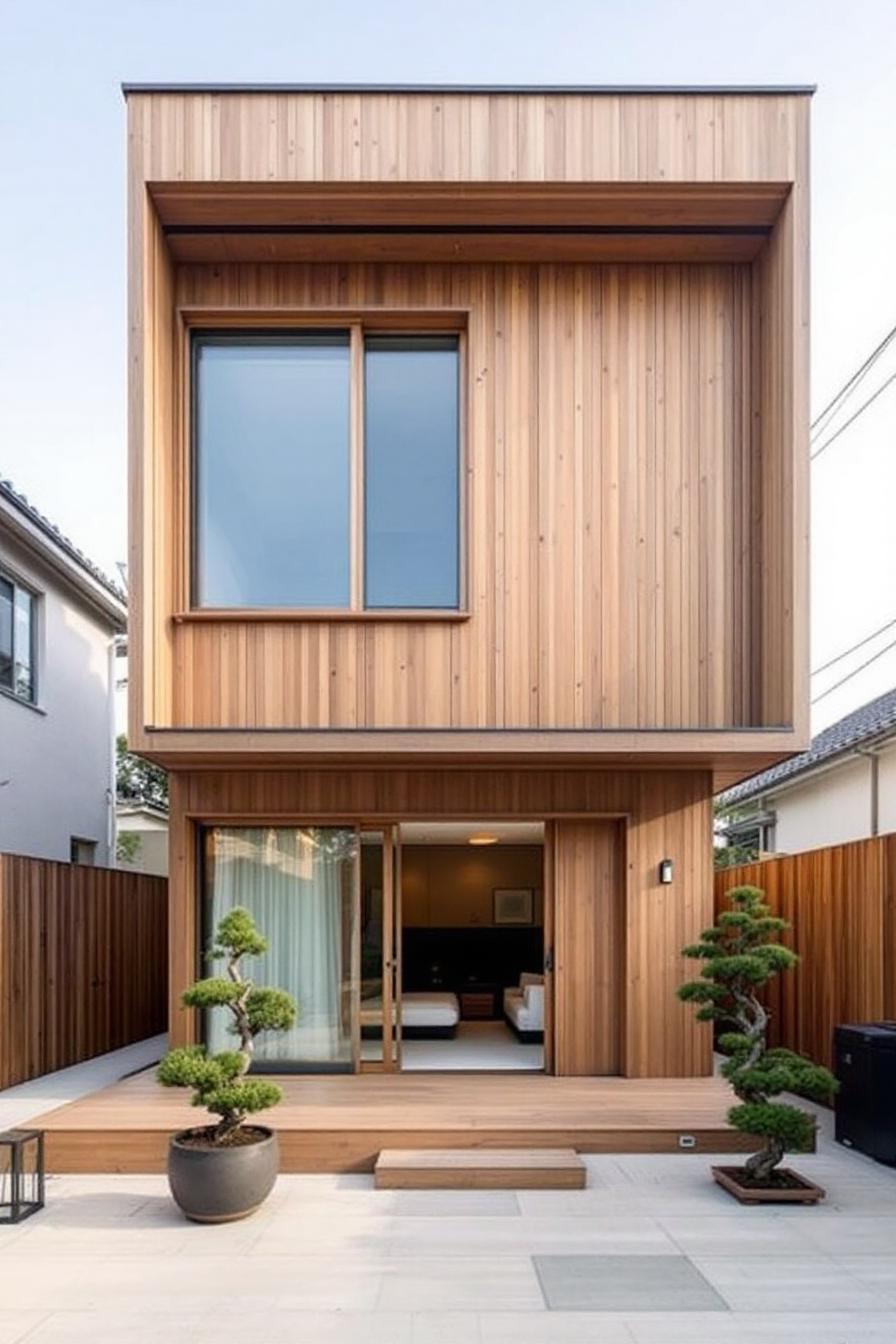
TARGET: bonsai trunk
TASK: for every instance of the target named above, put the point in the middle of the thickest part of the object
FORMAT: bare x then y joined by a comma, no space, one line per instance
761,1165
229,1124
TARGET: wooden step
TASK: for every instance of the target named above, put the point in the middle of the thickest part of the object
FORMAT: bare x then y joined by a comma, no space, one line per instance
479,1169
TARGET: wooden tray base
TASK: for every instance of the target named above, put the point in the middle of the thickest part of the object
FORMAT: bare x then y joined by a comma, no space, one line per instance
728,1179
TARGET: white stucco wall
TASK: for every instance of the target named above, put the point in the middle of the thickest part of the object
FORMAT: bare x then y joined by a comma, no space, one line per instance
55,760
152,852
826,809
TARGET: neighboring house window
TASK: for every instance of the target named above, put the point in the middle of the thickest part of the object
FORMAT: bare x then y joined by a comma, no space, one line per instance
745,834
303,501
82,851
17,640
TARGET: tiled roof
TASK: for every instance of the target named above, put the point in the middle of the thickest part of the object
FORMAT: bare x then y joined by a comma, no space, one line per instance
24,505
876,719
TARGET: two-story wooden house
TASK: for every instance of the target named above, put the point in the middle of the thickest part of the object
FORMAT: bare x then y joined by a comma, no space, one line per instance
468,435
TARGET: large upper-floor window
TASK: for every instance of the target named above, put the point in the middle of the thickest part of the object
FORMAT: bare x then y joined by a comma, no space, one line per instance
411,471
17,640
326,471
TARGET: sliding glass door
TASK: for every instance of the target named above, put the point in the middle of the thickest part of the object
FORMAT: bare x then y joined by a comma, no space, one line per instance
301,885
380,950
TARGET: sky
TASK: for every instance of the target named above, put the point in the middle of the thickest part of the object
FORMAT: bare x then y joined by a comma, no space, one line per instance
62,231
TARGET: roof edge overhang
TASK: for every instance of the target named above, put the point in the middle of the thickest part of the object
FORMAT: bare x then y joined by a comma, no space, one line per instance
38,543
876,744
641,90
728,758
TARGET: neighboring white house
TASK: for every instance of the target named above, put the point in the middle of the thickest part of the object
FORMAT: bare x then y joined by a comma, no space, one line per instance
143,838
843,788
60,618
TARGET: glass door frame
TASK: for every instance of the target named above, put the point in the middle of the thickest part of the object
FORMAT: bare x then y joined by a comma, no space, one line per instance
202,827
391,950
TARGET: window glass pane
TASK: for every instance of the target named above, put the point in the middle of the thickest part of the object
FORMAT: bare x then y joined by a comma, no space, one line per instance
5,634
299,884
272,450
24,679
411,471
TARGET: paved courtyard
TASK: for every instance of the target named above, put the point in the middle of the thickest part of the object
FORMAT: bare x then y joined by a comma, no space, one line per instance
650,1253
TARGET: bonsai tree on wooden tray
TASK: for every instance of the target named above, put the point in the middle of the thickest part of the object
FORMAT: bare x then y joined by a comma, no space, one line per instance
207,1190
742,954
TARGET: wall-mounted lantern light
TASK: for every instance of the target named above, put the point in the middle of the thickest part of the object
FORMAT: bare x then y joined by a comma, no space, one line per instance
665,871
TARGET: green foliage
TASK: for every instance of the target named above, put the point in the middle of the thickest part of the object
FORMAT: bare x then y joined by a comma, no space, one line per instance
734,856
136,780
219,1081
270,1010
741,955
792,1128
215,992
237,936
733,853
127,846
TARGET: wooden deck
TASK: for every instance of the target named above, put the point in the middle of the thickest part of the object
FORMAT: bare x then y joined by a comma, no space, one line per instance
341,1123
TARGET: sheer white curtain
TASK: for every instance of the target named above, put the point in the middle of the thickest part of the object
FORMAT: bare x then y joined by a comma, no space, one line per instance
299,886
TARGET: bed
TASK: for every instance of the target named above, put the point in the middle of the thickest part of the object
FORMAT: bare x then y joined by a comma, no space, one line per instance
426,1015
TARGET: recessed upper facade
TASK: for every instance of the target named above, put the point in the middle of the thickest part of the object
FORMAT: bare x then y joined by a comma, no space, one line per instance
469,423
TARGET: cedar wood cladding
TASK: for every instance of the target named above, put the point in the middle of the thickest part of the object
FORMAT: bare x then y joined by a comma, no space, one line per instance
636,434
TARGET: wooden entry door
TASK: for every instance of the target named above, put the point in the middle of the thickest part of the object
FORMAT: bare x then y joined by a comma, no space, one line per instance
588,881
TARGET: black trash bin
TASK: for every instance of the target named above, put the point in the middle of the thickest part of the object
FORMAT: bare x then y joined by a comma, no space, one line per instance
865,1065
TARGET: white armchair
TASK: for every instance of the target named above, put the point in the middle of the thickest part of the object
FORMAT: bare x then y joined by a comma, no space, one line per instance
524,1007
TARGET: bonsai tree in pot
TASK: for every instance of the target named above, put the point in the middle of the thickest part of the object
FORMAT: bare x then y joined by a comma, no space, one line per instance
224,1170
741,955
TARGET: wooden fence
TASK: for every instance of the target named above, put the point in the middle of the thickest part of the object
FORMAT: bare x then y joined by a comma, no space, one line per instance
83,963
841,902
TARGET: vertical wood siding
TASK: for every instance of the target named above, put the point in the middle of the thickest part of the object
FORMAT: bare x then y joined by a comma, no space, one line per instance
612,534
637,475
83,964
589,946
841,902
662,813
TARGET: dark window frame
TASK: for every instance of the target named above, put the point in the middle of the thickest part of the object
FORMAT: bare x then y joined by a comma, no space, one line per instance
18,587
76,844
358,330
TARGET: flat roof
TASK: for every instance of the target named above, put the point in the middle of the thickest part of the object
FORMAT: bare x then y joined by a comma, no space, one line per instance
129,87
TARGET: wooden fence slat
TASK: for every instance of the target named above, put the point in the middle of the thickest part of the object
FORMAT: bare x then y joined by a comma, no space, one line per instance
841,902
83,963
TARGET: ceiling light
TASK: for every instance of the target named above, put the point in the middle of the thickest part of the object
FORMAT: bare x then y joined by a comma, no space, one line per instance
483,839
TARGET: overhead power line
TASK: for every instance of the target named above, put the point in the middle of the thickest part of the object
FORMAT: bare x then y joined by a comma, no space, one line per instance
846,424
821,420
861,668
854,648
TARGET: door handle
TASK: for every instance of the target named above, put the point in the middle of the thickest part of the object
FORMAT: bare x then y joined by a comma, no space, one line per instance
549,959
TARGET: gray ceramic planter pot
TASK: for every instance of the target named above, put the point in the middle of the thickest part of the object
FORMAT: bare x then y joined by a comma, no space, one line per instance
219,1185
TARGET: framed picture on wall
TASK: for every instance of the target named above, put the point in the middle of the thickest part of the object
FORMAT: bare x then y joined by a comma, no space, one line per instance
514,905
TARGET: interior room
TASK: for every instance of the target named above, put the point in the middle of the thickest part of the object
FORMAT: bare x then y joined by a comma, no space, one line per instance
472,945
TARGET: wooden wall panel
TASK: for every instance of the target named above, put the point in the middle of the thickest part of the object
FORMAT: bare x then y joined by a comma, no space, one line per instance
83,967
611,515
468,136
696,391
781,408
671,818
667,814
840,902
589,947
